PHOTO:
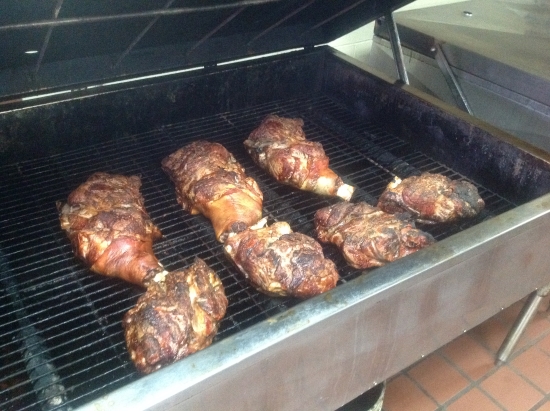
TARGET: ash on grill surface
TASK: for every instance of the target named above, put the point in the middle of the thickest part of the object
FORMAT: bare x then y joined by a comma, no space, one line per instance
77,315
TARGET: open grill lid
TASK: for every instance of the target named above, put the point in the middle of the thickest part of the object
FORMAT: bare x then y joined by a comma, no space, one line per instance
56,44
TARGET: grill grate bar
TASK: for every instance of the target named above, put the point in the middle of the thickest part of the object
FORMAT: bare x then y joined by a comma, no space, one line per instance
69,311
77,314
36,359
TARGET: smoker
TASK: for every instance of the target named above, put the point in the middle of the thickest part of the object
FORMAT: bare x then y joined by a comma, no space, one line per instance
117,86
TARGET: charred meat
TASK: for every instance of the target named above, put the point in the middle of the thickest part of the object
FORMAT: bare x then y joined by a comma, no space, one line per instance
109,229
280,262
432,198
279,146
211,182
178,315
366,236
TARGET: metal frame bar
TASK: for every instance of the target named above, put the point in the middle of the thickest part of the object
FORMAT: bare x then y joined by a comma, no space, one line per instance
47,37
396,48
336,15
216,29
124,16
523,319
278,23
140,35
451,79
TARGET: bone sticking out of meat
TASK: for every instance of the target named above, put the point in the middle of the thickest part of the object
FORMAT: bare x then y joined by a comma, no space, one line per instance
279,146
109,229
432,198
178,314
210,181
367,236
280,262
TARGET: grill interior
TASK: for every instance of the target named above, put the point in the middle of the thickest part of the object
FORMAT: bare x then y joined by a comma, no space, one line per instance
61,339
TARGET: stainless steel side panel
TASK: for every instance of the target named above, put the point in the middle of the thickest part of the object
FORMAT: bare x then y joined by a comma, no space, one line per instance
329,349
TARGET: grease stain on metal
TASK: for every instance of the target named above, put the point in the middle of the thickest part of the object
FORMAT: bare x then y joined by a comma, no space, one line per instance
286,314
328,297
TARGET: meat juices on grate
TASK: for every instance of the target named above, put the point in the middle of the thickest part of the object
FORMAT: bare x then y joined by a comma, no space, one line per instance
279,146
109,229
280,262
210,181
178,315
432,198
367,236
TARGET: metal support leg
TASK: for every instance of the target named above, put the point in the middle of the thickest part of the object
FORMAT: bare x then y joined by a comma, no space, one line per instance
524,317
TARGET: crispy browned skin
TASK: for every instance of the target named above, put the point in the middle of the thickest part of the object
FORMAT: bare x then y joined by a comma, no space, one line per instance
280,262
210,181
432,198
177,316
367,236
279,146
106,221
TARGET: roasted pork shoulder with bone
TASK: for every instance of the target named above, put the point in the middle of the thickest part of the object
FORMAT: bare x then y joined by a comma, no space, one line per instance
280,262
432,198
178,315
109,229
210,181
367,236
279,146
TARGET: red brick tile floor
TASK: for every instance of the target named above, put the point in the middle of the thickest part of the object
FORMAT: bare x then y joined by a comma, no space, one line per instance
462,375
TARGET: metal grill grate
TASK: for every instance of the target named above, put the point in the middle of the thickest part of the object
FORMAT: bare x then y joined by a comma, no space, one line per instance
61,339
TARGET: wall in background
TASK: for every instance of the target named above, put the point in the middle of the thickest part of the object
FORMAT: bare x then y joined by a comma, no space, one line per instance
358,43
512,34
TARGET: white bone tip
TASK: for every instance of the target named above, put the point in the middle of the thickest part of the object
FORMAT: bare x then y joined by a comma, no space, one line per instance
345,191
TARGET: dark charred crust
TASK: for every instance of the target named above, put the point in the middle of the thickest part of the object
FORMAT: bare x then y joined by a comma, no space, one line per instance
280,264
210,181
159,329
367,236
432,198
279,146
109,228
